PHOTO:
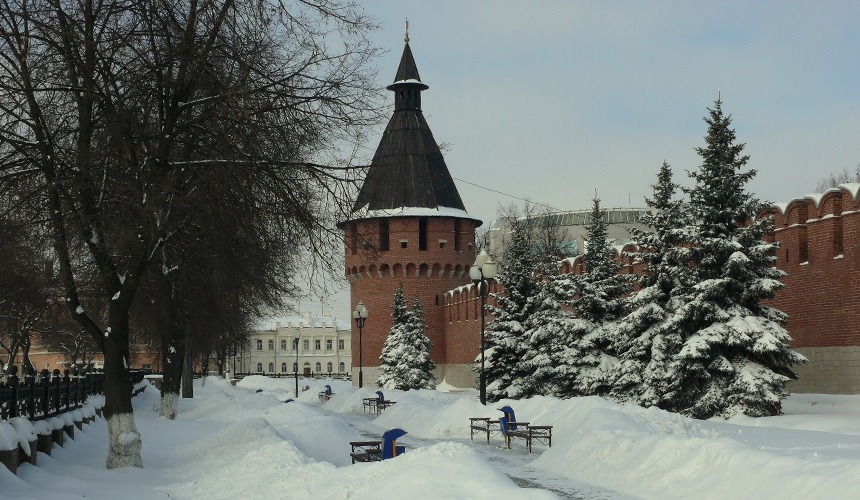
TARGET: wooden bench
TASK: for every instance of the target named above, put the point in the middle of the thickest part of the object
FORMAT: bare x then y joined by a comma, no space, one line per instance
374,451
377,404
326,394
366,451
485,425
531,433
511,428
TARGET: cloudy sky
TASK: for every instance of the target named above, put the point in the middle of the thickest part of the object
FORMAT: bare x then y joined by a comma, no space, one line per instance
552,100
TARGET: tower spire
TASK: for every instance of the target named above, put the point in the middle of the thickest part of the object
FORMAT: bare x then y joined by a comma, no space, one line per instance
406,38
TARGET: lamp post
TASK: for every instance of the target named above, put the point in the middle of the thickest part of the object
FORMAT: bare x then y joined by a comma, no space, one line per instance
482,273
296,337
359,314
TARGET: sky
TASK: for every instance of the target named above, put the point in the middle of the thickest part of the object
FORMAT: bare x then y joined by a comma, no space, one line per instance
552,101
234,442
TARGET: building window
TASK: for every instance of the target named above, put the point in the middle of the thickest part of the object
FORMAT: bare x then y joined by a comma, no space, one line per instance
306,368
422,233
341,368
259,367
306,345
340,344
259,344
284,367
458,242
271,367
295,367
328,366
318,367
271,345
383,234
283,344
328,345
317,344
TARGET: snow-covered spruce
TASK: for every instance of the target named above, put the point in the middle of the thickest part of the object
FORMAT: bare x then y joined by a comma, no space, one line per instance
735,356
405,360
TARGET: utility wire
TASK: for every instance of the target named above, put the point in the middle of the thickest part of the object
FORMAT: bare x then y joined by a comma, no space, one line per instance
506,194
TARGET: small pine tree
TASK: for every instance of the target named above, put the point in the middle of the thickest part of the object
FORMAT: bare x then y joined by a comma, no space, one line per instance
405,360
735,356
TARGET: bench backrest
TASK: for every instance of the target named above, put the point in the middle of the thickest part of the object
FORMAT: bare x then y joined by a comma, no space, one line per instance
328,390
389,443
380,398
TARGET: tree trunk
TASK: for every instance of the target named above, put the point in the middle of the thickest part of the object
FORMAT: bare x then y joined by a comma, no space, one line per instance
187,371
173,359
124,440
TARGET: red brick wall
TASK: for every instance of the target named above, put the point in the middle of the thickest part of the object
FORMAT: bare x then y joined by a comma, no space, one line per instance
374,276
820,251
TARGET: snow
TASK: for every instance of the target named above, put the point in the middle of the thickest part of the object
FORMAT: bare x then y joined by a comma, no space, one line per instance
364,213
79,310
232,442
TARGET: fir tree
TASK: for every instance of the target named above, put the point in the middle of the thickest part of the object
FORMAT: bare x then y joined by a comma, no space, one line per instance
641,339
596,299
735,356
405,360
505,341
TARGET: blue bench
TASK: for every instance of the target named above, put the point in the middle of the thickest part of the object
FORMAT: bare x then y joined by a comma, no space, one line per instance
510,428
326,394
374,451
377,404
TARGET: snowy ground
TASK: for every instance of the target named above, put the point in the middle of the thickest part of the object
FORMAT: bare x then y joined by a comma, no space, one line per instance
232,442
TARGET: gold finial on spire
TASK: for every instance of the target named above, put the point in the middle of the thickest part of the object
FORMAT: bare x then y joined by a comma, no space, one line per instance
406,38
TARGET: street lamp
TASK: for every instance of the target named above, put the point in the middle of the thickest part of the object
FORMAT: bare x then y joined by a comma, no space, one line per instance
482,273
296,337
359,314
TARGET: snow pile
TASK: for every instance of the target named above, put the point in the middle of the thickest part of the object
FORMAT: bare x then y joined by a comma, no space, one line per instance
233,442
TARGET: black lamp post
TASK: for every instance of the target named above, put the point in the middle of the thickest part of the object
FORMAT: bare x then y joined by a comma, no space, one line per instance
296,337
482,273
359,314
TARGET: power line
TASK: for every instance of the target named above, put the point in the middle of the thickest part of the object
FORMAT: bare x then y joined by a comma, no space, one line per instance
506,194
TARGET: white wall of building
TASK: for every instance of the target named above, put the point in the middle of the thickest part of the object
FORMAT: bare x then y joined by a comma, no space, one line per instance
323,347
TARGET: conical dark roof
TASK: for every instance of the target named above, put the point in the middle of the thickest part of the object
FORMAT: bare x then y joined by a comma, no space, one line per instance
407,69
408,170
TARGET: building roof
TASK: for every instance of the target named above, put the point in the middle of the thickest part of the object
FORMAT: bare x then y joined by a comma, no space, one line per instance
408,170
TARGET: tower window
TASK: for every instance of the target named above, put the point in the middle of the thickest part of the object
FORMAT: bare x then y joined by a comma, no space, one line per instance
383,234
457,238
422,233
354,238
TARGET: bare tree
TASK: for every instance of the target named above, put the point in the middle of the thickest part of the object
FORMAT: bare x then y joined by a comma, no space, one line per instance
120,113
833,180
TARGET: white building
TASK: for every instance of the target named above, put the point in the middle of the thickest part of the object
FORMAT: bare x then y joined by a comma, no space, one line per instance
309,344
573,228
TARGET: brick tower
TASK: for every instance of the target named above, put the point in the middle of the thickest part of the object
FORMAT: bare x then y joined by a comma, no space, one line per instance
409,226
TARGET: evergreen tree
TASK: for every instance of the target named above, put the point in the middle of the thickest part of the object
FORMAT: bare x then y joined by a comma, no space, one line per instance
405,360
504,335
641,339
735,356
596,299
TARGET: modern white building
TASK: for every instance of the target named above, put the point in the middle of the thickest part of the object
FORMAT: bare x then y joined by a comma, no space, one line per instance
573,228
309,344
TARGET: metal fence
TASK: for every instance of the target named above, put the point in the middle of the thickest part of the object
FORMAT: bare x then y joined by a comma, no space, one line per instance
46,395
